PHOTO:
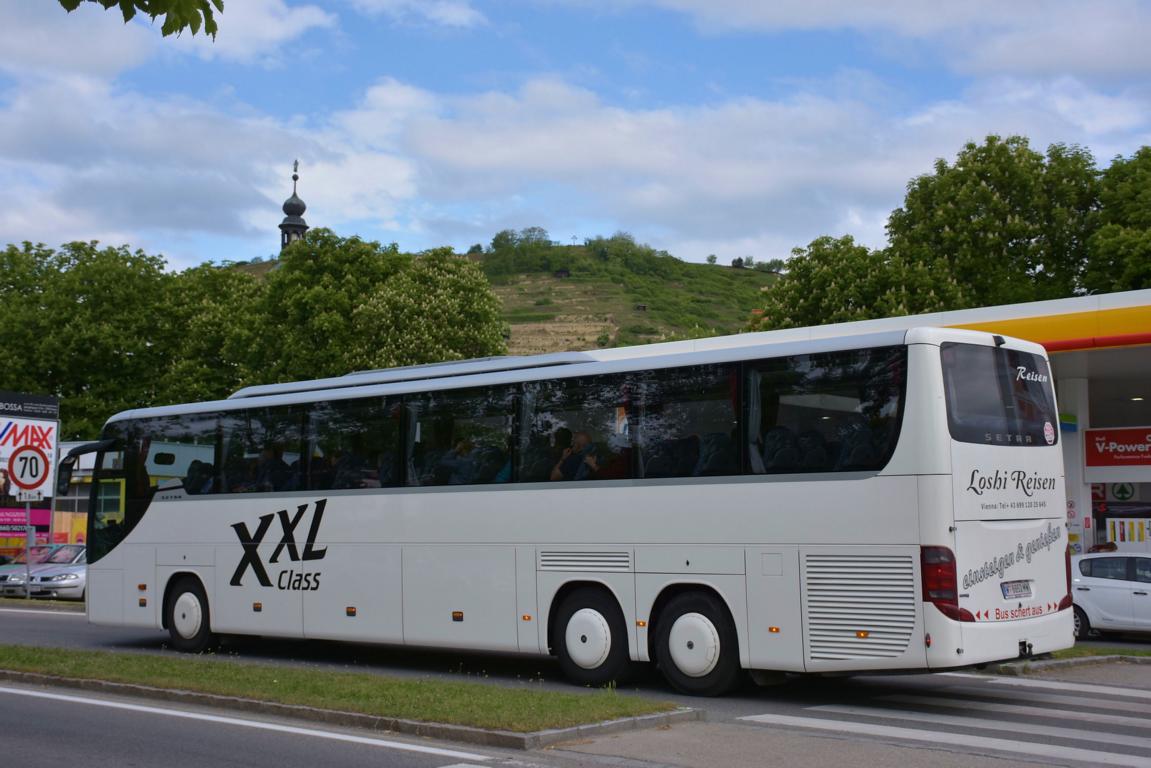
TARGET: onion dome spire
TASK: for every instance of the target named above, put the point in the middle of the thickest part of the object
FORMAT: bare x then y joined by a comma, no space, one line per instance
293,227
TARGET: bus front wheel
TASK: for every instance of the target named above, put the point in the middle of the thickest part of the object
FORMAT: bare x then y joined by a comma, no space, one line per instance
188,618
696,646
590,638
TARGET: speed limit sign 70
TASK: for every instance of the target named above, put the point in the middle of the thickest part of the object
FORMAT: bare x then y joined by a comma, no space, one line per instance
28,467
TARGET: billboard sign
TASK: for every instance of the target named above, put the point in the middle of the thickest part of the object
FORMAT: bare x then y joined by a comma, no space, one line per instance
1129,447
29,430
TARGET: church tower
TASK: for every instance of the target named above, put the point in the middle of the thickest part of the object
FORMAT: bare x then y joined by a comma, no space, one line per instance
293,227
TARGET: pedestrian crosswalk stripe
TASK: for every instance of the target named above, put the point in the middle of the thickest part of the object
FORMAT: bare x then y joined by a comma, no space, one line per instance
1032,729
1021,709
1079,702
966,741
1057,685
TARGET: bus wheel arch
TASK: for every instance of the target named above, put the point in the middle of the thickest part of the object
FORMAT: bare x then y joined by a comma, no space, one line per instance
187,614
694,641
588,634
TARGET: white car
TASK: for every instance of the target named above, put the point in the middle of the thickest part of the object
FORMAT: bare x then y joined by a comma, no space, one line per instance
1111,592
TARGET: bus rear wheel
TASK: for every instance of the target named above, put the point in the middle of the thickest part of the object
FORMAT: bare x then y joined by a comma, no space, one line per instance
591,638
696,646
189,622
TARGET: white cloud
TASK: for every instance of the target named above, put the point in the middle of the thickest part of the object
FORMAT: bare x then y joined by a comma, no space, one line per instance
1022,37
254,30
448,13
744,176
741,176
41,39
82,160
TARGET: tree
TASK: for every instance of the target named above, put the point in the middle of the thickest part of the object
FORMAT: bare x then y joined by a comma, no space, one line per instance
834,280
504,240
771,265
1007,223
303,325
1120,249
211,314
737,262
179,15
440,307
84,323
711,258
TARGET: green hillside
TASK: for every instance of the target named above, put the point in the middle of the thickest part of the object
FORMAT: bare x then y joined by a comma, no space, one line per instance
612,292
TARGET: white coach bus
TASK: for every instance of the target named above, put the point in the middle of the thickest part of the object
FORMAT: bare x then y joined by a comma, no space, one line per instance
889,501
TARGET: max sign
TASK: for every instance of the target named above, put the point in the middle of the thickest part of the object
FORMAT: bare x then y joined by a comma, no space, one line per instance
1118,447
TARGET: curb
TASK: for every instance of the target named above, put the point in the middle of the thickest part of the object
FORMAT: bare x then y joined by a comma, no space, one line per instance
1019,668
461,733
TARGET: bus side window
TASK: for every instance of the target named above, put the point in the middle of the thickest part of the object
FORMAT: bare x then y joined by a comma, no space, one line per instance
352,444
462,437
824,412
686,418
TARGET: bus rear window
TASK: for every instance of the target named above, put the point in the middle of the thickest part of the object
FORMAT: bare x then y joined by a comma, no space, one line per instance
998,396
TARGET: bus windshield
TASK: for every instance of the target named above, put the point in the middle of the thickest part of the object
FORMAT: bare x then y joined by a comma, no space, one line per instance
998,396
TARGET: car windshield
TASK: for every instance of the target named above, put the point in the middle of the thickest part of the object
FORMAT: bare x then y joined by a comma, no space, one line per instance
39,555
64,555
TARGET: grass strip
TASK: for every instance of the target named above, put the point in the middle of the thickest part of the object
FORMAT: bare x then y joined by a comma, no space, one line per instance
455,703
1086,651
42,605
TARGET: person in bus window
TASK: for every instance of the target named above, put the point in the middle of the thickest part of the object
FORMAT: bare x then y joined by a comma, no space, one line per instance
579,461
458,466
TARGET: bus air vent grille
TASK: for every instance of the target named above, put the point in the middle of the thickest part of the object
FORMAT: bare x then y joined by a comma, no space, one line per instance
557,560
859,606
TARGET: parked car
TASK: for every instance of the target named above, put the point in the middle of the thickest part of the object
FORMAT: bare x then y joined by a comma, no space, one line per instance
47,555
1111,592
65,582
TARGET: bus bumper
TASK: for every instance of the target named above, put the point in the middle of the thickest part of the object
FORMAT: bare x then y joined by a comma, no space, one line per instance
963,644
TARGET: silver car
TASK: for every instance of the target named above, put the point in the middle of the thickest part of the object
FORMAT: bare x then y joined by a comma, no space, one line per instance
65,582
57,556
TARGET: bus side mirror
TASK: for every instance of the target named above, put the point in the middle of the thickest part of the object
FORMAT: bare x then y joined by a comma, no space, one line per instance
64,475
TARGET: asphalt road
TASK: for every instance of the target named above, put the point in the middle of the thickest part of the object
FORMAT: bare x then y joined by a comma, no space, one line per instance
1081,718
55,727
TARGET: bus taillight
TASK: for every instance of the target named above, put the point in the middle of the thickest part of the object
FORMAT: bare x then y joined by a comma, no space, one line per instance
937,567
1065,603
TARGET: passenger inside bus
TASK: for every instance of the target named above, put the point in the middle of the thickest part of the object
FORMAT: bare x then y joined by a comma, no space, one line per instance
579,461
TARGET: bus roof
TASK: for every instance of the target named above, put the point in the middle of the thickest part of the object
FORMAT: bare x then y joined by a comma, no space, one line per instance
495,371
446,369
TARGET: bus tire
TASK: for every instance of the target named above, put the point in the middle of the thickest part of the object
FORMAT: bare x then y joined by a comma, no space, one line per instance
188,618
591,638
696,647
1082,625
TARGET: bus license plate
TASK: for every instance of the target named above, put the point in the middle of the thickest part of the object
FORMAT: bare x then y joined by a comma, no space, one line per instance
1016,589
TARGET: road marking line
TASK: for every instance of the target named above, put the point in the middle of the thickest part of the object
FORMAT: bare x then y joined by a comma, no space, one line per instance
1020,709
990,725
1090,756
398,745
43,612
1107,690
1128,707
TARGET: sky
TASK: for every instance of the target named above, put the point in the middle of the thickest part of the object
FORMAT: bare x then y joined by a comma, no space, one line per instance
729,127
